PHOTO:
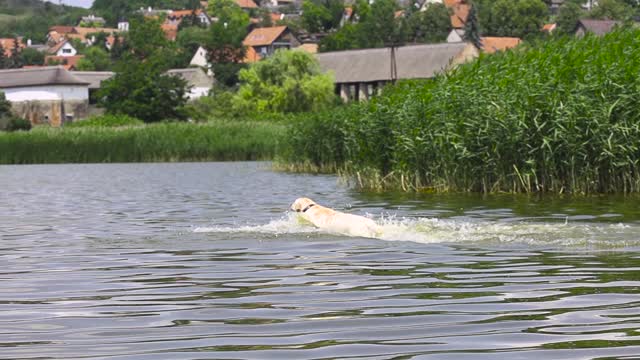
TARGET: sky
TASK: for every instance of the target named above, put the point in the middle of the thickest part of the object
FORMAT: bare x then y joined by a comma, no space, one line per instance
82,3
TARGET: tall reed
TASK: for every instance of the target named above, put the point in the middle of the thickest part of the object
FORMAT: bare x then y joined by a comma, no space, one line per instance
556,116
215,141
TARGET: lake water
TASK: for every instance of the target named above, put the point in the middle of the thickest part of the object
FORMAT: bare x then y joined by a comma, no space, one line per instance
203,261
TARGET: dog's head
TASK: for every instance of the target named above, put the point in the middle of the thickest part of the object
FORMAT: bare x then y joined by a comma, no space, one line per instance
302,204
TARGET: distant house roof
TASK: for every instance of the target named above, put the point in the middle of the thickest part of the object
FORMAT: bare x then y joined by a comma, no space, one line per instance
597,27
492,44
549,27
246,4
412,62
94,78
195,76
264,36
459,14
8,44
55,48
170,31
183,13
61,29
56,75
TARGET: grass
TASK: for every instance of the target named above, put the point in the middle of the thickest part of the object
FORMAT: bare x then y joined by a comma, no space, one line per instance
560,116
214,141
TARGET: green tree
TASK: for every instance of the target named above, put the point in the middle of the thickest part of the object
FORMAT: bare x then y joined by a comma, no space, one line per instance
380,25
95,59
31,56
472,28
15,60
146,39
187,43
436,24
322,15
4,61
287,81
612,10
519,18
143,90
568,16
225,50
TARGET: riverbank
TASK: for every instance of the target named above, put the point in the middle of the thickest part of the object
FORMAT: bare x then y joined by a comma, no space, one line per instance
212,141
560,116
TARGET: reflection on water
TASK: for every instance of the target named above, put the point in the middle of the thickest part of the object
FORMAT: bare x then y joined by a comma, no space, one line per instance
200,261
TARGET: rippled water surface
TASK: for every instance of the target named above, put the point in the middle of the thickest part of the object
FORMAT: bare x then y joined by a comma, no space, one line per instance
202,261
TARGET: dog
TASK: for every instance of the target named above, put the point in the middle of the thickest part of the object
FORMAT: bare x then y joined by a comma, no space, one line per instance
335,221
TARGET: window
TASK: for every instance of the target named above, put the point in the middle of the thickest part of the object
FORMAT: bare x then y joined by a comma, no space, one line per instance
66,51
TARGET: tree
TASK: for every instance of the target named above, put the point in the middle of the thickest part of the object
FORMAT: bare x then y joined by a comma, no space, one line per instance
31,56
225,50
436,24
3,57
612,10
187,43
472,28
380,25
287,81
95,59
143,90
322,15
146,38
518,18
568,16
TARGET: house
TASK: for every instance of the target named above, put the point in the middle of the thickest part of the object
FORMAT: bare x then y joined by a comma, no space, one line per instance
63,48
45,95
198,81
265,41
170,31
456,35
8,44
175,17
200,58
94,79
360,74
491,44
92,21
246,4
596,27
58,34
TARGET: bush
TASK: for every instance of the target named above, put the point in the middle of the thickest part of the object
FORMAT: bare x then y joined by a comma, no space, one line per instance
107,121
16,123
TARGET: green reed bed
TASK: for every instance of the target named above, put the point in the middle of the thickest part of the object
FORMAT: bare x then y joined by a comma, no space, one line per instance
558,116
214,141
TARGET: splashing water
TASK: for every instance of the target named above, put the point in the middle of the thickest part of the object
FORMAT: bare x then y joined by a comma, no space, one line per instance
434,230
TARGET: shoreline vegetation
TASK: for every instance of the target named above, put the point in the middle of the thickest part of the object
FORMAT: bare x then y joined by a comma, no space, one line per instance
556,116
159,142
559,116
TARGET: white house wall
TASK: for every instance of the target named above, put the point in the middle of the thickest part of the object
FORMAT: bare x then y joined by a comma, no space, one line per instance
51,92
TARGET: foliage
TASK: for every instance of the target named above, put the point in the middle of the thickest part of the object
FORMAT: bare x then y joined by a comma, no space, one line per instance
560,116
187,43
472,28
430,26
322,15
568,16
287,81
17,124
140,88
114,10
612,10
31,56
518,18
224,44
214,141
106,121
8,120
95,59
32,18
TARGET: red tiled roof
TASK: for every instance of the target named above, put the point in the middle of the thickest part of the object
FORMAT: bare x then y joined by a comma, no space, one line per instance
246,4
492,44
549,27
61,29
54,49
170,31
183,13
264,36
459,16
8,44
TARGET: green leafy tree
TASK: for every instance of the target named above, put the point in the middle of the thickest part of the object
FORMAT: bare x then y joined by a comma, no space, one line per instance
380,25
287,81
612,10
435,24
5,106
95,59
472,28
140,88
568,16
15,60
31,56
4,61
321,16
225,50
519,18
187,43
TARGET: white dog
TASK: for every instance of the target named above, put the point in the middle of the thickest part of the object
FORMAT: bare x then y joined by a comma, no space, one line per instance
335,221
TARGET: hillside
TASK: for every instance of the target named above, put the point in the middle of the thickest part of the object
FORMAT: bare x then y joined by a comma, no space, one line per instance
32,18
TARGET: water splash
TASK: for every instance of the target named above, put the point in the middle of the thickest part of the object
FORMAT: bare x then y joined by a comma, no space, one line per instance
434,230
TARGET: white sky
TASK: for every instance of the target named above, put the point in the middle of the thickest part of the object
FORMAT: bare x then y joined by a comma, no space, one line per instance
82,3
